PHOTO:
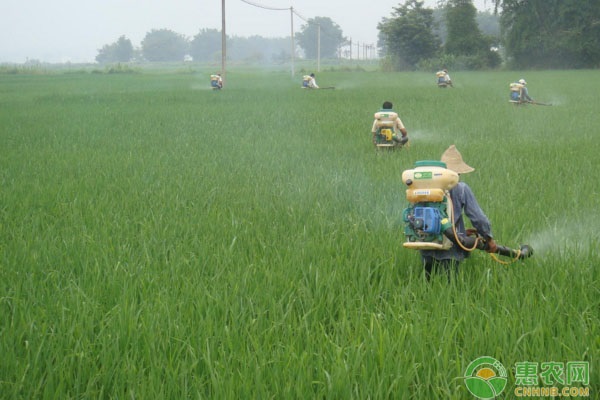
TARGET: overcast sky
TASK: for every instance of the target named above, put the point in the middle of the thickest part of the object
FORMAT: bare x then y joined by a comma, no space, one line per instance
74,30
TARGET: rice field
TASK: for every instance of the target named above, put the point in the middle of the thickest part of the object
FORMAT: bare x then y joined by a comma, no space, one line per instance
160,240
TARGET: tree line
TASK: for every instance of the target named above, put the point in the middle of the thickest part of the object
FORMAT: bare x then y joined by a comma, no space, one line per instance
532,34
167,45
520,34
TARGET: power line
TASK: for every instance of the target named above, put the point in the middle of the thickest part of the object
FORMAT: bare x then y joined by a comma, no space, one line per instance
295,12
298,15
276,9
291,9
265,7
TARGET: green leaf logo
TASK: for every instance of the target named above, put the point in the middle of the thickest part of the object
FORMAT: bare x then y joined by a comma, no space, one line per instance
485,378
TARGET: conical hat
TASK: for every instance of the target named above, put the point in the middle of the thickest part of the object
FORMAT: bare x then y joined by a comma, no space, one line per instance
454,161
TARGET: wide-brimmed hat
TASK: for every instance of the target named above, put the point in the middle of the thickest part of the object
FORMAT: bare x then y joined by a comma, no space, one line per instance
454,161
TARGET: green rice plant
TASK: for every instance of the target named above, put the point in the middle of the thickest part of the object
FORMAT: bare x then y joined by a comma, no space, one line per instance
163,240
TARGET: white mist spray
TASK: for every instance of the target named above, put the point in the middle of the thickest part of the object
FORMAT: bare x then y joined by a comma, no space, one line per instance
570,236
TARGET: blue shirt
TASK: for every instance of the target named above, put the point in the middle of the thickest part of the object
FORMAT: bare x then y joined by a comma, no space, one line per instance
525,94
463,200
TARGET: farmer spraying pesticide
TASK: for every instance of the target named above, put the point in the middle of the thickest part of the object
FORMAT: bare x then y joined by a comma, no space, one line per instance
216,81
386,128
309,82
520,95
443,79
434,222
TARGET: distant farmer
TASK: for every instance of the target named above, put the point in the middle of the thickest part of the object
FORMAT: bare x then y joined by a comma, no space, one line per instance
387,125
519,93
443,78
463,200
309,82
216,81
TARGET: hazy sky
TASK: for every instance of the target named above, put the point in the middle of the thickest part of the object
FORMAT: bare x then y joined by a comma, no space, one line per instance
74,30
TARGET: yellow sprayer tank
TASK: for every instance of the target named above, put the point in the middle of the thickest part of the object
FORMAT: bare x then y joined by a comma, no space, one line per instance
428,181
386,118
516,87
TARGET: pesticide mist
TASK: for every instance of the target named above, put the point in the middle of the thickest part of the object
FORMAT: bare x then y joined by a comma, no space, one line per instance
569,237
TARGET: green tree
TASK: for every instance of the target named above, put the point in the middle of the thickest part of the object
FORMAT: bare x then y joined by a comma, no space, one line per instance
551,33
408,36
120,51
471,49
464,36
488,23
331,37
206,45
164,45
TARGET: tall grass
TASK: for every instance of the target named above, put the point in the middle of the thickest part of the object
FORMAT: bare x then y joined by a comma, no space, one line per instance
161,240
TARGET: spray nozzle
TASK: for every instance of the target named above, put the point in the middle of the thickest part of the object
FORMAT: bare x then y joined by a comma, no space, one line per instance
526,251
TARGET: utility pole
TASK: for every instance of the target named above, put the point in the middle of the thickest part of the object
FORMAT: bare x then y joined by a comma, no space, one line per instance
318,47
350,49
223,41
293,46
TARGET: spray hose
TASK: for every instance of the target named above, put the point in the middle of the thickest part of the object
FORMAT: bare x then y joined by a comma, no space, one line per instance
456,238
495,258
524,251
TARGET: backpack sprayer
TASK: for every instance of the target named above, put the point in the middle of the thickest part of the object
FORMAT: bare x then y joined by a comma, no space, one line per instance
429,219
215,81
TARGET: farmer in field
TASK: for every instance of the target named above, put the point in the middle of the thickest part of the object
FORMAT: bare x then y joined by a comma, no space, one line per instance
216,81
463,200
443,78
387,118
309,82
519,93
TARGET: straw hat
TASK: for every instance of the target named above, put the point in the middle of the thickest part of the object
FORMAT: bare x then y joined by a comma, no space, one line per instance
454,161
